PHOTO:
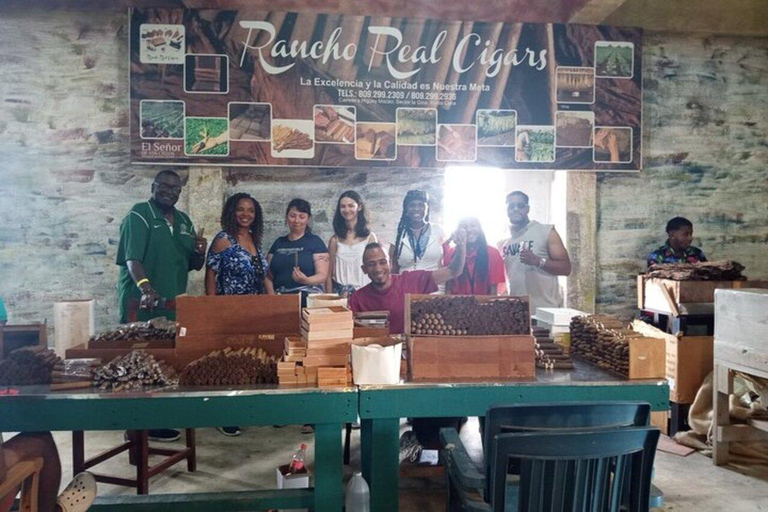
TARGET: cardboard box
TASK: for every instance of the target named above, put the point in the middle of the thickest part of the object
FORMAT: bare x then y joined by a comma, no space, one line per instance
471,358
293,481
689,360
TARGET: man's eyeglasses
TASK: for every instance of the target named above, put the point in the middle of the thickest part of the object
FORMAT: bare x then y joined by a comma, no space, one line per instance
516,206
170,188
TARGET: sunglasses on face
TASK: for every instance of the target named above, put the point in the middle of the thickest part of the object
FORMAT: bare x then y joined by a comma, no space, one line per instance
516,206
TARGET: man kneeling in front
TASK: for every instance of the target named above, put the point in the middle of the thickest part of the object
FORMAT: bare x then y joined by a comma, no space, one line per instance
386,292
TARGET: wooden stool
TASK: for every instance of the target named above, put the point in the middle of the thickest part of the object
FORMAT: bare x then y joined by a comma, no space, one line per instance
25,474
138,455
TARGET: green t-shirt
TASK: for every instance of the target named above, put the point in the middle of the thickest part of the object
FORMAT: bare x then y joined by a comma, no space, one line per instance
145,236
3,312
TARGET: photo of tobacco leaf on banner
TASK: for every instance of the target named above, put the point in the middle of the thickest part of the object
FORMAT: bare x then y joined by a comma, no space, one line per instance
339,90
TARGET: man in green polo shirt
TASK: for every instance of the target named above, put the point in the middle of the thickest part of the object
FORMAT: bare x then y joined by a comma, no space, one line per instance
158,247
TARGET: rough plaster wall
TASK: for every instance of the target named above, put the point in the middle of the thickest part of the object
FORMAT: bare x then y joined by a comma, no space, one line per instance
706,158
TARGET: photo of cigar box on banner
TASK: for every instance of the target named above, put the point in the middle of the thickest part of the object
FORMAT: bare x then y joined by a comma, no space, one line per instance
250,88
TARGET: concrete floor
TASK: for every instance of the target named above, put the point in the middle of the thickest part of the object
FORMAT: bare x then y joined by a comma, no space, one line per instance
247,462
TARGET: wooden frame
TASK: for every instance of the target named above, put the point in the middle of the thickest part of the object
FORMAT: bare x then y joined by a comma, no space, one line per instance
41,329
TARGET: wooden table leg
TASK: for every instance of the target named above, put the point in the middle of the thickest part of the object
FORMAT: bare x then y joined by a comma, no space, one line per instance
192,457
721,390
78,451
142,461
133,439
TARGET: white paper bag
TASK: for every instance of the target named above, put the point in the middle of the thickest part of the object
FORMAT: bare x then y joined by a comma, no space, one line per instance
376,360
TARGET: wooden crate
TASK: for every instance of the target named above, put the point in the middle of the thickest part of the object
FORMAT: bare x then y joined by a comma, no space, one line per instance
410,298
689,359
215,316
741,330
666,295
17,336
470,358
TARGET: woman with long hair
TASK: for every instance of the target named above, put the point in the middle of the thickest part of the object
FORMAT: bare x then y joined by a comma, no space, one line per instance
484,269
236,264
346,246
418,244
298,261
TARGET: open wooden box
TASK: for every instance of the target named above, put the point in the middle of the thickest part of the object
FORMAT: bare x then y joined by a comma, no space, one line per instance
468,358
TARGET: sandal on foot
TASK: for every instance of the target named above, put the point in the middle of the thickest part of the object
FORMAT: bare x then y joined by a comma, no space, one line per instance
79,494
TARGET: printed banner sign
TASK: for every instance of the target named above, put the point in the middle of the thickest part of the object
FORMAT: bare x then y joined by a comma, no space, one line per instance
250,88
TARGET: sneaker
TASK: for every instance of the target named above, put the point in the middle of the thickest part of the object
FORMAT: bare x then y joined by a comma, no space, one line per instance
79,494
164,435
230,431
410,449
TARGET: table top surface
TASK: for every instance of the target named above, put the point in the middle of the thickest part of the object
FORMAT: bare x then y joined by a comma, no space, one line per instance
583,374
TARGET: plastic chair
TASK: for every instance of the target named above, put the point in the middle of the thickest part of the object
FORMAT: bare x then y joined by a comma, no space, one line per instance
25,474
591,470
470,483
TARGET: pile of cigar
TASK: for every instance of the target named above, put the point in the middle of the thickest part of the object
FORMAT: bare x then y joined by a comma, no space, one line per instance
74,374
138,331
28,366
133,371
602,341
466,316
230,367
549,355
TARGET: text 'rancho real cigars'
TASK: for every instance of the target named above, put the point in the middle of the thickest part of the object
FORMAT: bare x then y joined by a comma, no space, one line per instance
393,51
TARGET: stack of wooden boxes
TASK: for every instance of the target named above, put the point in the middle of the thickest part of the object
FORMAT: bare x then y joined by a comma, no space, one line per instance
321,355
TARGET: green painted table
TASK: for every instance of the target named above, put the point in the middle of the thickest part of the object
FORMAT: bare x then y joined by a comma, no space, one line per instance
36,408
381,408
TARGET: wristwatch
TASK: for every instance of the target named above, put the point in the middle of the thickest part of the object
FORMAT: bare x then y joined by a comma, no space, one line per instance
542,262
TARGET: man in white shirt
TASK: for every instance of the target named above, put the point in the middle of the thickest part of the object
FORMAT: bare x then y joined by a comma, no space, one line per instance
534,255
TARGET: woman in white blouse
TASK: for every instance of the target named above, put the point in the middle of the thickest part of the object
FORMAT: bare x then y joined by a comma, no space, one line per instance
346,246
419,243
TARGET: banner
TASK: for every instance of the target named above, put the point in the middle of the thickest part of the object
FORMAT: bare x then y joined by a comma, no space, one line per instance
250,88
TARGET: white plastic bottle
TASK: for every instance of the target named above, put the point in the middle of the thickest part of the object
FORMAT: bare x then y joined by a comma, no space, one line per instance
358,494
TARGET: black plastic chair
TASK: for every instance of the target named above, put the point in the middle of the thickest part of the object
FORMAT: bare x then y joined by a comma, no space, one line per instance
590,470
468,483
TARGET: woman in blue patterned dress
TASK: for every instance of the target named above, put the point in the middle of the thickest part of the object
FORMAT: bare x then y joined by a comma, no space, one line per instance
236,265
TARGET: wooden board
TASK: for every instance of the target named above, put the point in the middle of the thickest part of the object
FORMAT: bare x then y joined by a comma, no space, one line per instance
652,293
647,358
369,332
326,360
237,314
470,358
343,334
341,325
329,314
741,330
